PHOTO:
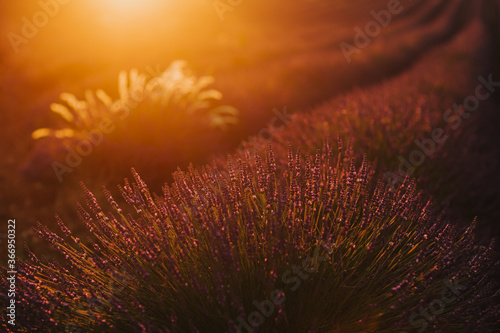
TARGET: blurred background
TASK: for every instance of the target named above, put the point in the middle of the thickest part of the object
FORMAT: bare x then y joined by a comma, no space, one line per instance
263,55
83,45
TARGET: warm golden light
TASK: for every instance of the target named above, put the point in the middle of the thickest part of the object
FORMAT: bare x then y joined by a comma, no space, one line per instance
120,13
129,6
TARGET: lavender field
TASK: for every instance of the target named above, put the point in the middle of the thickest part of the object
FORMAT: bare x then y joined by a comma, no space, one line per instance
241,166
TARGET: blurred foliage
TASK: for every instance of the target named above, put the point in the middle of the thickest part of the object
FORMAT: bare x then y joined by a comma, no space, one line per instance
176,90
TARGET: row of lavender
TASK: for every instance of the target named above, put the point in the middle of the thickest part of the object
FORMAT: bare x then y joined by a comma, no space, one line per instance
282,240
430,123
316,245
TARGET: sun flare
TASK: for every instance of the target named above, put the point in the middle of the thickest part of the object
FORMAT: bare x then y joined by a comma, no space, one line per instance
129,7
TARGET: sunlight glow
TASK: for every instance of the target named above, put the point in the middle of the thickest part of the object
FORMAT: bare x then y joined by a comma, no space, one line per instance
130,6
114,11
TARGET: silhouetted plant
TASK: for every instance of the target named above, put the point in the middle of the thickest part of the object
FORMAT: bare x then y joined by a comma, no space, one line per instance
156,122
176,90
197,258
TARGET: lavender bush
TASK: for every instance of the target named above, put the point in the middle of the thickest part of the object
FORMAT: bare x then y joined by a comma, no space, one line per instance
219,241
